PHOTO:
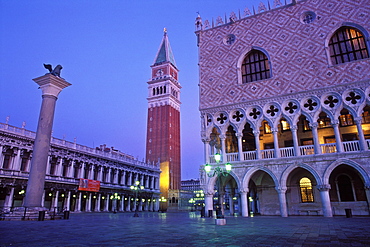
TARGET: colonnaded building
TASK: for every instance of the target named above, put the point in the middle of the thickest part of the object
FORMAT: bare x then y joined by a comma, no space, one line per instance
285,99
78,178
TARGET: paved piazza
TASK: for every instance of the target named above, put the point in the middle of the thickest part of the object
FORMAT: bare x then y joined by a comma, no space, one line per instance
185,229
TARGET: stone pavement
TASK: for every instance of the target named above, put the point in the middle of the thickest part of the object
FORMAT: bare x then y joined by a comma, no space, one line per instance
185,229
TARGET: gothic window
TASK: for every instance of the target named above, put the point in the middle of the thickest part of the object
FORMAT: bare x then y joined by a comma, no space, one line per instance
305,186
153,91
255,67
347,44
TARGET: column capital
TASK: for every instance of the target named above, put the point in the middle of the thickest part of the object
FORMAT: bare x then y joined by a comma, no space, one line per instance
51,85
280,189
314,125
324,187
244,191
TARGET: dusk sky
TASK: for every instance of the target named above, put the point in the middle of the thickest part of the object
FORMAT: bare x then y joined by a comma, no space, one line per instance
106,49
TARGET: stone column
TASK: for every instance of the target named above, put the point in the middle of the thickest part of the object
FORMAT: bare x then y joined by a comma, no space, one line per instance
231,204
297,152
122,204
275,132
240,146
315,137
78,202
257,140
206,150
208,201
282,201
97,203
338,138
325,200
244,200
17,161
59,168
54,203
8,203
88,202
128,206
363,144
223,147
67,201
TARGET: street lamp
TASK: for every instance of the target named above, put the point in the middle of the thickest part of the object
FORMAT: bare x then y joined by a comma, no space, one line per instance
136,187
115,197
219,171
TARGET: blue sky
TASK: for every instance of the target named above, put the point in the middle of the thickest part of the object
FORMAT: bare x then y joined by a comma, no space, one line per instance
106,48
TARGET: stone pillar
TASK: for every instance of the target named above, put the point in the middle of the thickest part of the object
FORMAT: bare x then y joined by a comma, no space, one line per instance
122,204
82,170
59,168
123,178
129,179
297,152
257,140
88,202
206,150
325,200
78,202
244,200
223,147
208,201
8,203
240,146
275,132
97,203
231,204
338,138
363,144
315,137
128,206
100,173
282,201
17,161
67,201
54,202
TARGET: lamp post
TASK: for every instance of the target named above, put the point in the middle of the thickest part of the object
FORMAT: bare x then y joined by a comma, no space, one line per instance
219,171
136,187
115,197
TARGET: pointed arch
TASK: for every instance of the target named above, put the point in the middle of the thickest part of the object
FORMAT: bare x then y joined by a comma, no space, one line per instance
350,163
289,169
250,172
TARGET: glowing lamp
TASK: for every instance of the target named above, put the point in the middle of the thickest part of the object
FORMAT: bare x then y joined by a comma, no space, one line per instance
217,157
207,167
228,167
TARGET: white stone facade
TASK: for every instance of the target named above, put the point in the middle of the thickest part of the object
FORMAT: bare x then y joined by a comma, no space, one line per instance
305,117
67,163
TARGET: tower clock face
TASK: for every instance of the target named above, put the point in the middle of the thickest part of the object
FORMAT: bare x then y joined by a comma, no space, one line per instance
159,72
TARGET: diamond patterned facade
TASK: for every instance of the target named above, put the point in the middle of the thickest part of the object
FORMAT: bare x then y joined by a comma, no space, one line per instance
305,116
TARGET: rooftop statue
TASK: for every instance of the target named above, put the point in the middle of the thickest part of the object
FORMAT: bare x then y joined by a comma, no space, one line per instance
55,71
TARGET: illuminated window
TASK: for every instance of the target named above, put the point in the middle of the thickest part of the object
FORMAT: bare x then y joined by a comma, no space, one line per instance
347,44
346,120
323,121
284,125
267,128
255,67
306,189
366,116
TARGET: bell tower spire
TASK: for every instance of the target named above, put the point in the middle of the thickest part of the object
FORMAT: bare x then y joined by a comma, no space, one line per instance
163,124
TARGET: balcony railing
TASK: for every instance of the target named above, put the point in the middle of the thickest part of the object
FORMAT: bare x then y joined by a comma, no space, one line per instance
349,146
